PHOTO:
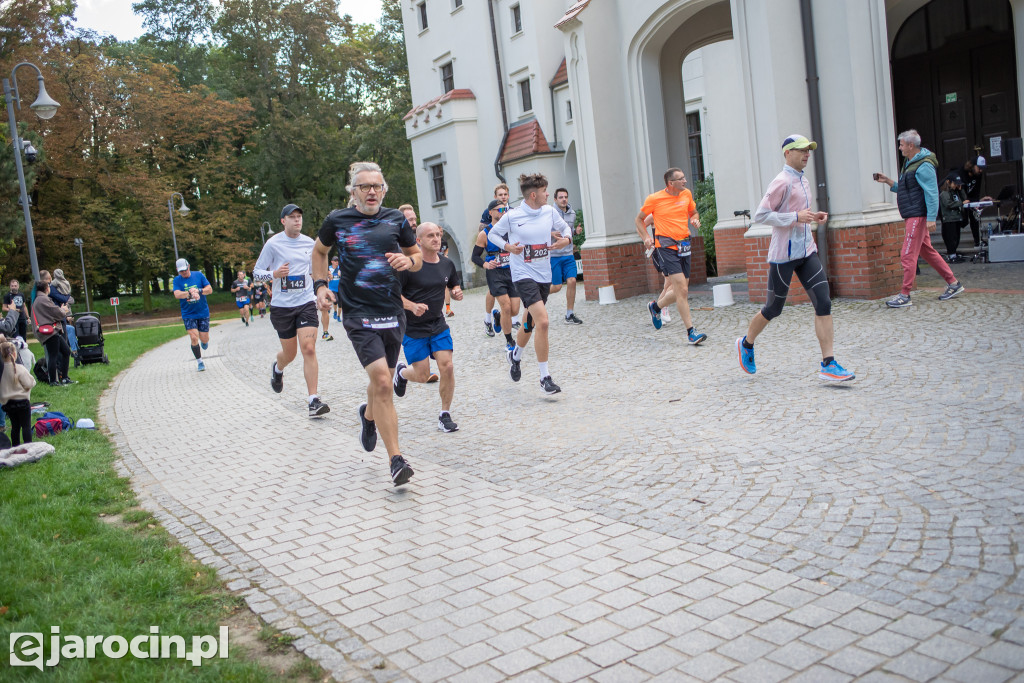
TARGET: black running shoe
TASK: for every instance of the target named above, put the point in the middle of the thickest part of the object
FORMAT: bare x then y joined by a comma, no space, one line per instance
516,325
514,371
571,319
488,329
496,316
549,386
368,435
445,423
276,379
399,382
318,407
400,470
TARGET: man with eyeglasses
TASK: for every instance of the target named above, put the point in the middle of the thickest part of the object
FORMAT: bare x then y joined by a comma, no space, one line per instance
674,210
499,276
373,243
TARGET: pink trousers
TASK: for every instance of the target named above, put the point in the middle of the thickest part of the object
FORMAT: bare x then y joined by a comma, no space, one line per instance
918,243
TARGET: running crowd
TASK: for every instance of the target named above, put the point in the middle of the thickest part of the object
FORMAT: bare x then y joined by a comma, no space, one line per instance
390,283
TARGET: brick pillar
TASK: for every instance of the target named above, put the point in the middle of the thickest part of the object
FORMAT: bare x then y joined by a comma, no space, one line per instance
624,267
864,262
730,252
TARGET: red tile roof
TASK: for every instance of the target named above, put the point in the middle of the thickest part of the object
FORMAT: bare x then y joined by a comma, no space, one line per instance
457,94
572,12
523,140
561,76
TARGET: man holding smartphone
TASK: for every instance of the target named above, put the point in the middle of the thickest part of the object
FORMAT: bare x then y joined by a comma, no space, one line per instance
917,196
786,206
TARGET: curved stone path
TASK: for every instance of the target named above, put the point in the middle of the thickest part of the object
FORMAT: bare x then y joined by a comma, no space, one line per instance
666,515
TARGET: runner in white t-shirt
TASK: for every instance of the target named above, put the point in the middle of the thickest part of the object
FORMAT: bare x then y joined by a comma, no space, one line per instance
286,259
526,234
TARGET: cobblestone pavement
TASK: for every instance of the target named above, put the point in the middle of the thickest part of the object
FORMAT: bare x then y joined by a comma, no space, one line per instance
666,516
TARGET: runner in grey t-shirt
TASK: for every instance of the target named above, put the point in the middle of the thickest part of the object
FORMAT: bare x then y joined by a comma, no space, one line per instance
563,262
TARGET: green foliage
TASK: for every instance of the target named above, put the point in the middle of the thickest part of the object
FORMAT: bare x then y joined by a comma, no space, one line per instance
241,106
579,239
708,211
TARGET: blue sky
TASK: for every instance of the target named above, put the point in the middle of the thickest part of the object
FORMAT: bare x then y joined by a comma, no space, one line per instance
115,17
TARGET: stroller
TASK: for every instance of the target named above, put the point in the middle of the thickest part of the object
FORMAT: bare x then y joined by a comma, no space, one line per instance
90,339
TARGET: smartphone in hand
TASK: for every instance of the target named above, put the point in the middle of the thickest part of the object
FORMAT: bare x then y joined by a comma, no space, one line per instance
876,176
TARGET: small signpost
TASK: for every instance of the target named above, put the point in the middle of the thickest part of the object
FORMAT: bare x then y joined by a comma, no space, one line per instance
114,302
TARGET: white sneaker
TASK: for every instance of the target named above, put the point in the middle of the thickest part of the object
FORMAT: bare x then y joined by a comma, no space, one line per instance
664,316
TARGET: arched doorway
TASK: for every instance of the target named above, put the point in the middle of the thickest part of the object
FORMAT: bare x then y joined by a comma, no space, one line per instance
954,78
454,252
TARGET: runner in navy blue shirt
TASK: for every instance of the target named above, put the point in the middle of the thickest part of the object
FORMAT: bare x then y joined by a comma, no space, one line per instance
191,289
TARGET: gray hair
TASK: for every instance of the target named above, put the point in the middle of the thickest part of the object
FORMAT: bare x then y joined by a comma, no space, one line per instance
911,136
362,167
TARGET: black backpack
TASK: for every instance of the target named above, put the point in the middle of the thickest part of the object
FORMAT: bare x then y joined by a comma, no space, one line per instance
39,370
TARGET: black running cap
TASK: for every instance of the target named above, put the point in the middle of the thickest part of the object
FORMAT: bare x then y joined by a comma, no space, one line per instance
289,210
494,204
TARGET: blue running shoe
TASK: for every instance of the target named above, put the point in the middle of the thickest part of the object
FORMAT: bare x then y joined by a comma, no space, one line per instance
202,365
746,357
695,337
509,346
655,317
496,315
205,345
834,372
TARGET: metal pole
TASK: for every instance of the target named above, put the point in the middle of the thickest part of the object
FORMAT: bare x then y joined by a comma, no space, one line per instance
9,96
174,238
85,283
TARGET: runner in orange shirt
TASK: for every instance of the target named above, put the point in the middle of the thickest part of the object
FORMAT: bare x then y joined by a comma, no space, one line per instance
674,210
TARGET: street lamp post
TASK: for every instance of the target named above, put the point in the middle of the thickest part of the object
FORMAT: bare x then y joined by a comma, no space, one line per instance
85,283
170,210
268,231
44,107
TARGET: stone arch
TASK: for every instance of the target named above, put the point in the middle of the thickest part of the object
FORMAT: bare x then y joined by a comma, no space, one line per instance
654,75
455,250
572,174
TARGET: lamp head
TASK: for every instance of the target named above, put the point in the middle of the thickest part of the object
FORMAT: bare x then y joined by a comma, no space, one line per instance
78,242
44,106
184,209
31,153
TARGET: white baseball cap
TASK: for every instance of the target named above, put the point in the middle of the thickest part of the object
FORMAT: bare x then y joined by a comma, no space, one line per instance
85,423
981,162
180,265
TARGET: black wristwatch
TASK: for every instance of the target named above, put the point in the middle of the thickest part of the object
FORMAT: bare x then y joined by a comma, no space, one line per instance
317,284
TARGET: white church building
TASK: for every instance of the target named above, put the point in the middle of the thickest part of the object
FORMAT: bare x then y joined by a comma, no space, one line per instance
603,95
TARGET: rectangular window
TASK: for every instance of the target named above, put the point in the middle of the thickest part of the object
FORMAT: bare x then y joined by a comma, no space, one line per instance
568,110
447,78
421,9
517,19
437,178
456,4
524,94
696,146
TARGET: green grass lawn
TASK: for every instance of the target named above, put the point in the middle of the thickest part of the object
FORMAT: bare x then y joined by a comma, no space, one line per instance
62,565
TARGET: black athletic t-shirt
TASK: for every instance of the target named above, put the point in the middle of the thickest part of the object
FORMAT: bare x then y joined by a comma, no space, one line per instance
17,300
368,284
426,286
243,291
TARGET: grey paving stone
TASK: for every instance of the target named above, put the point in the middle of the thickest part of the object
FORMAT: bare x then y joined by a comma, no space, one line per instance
746,649
708,666
916,667
761,671
571,668
854,661
657,660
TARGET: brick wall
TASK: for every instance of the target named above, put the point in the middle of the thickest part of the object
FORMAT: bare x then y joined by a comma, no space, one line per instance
863,263
730,253
625,268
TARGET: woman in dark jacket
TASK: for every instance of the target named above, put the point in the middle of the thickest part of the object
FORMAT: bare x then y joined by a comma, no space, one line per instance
46,312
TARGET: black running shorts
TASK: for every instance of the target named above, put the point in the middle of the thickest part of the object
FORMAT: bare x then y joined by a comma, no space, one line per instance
672,263
375,338
287,321
499,281
530,291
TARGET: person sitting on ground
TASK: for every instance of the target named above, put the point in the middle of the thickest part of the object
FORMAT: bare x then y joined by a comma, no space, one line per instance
49,320
16,384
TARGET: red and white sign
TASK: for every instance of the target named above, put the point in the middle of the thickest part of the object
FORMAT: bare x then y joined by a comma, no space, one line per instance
113,301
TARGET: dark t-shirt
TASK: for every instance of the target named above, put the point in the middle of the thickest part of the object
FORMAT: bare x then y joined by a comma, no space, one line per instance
243,291
368,285
426,286
18,300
